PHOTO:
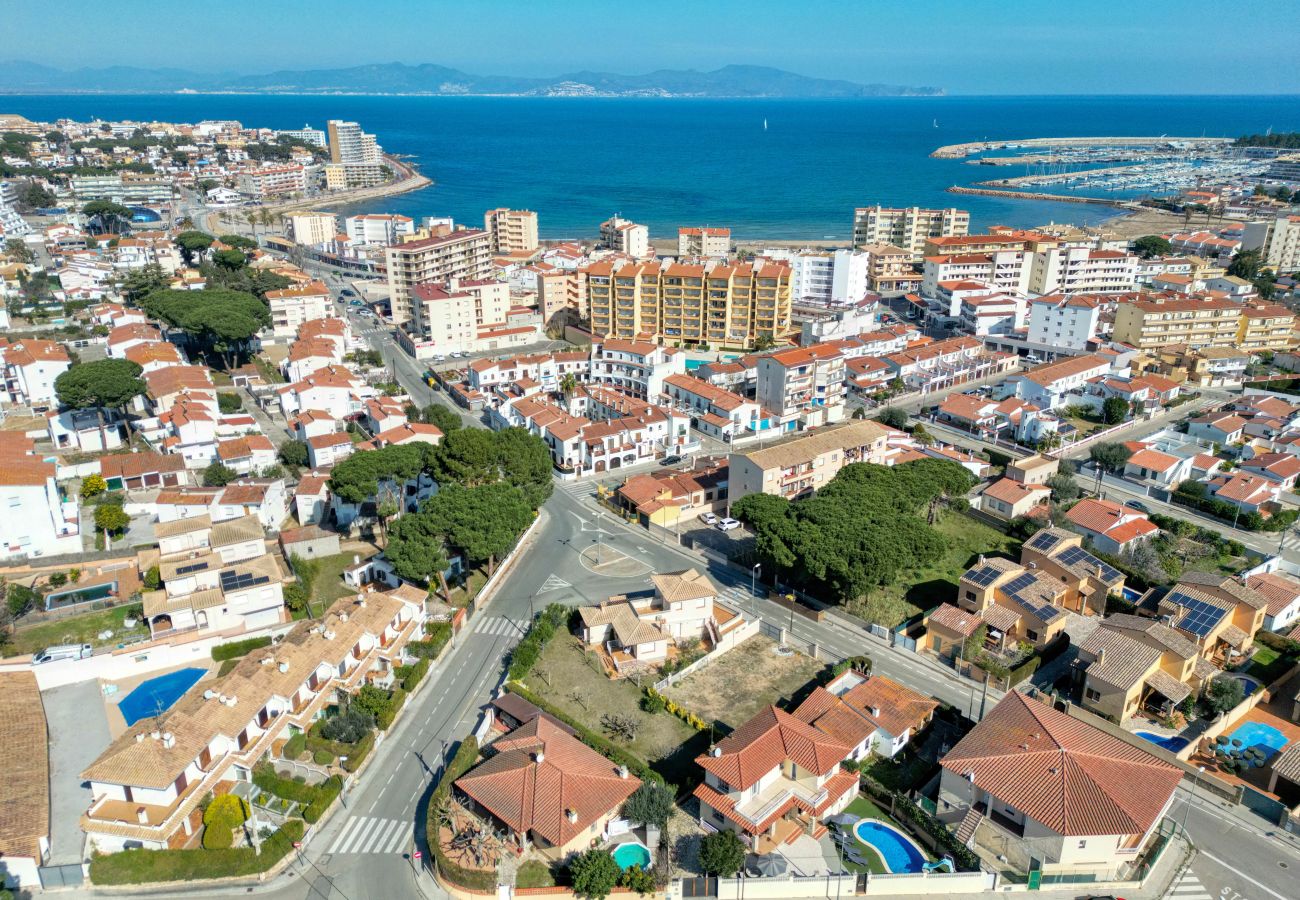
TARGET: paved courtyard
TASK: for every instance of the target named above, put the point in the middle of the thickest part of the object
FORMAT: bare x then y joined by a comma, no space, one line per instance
78,731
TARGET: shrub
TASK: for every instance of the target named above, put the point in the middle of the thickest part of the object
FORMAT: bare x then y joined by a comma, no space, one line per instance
58,579
147,866
236,649
229,403
721,853
859,663
93,486
650,804
439,633
594,874
153,579
653,702
322,757
470,879
637,879
396,700
371,700
223,815
349,726
1025,669
414,675
529,650
326,793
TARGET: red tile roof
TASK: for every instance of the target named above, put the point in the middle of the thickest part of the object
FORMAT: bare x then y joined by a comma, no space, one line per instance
1069,776
767,740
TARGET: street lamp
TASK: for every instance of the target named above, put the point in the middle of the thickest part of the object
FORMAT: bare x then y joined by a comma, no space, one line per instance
753,578
1187,804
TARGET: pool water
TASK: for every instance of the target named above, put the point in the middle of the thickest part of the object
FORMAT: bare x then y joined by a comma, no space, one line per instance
631,854
157,695
897,852
1172,744
1257,734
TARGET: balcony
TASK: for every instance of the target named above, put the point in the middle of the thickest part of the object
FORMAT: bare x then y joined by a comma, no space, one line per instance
776,795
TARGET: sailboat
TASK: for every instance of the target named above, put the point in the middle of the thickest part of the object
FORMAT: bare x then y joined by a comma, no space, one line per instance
765,124
936,123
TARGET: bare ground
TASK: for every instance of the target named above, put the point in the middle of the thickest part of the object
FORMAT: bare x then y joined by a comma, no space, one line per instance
740,683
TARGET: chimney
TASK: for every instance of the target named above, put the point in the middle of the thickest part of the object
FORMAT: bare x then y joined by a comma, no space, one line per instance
875,712
231,700
1101,656
343,617
168,740
715,752
539,757
141,815
571,815
356,559
267,660
156,734
283,667
139,737
622,772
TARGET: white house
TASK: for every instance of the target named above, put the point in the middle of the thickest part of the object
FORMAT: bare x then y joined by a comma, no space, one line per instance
35,519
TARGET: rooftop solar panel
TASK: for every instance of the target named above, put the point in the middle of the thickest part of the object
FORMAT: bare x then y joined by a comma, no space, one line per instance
983,575
1044,541
192,567
1198,617
1019,583
238,581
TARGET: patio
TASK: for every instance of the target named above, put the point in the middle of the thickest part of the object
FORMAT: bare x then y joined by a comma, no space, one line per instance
1217,755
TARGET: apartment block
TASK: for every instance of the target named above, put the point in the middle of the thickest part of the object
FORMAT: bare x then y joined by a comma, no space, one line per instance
36,519
1073,269
719,303
294,306
907,228
637,367
1064,321
1158,321
1004,270
1269,327
377,228
451,315
1283,253
623,236
703,241
464,254
803,386
273,181
312,228
349,145
511,230
803,464
889,269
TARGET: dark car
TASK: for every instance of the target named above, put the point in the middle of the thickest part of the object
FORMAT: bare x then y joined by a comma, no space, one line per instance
670,460
347,292
1138,505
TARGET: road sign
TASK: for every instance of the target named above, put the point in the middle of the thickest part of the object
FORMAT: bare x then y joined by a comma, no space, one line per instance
297,845
417,855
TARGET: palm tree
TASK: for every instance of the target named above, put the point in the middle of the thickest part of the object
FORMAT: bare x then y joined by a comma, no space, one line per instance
251,218
568,384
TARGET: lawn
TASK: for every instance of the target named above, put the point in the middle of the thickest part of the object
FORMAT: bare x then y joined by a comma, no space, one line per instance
863,808
573,679
1267,665
928,586
328,585
740,683
81,629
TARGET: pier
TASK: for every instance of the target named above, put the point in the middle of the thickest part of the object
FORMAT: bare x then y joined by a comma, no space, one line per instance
957,151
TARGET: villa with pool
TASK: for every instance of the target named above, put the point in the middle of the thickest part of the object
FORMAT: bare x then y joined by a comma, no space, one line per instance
1038,789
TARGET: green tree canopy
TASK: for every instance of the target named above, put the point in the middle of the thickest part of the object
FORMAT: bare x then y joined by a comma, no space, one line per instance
1151,246
219,321
293,453
445,418
111,518
238,241
99,385
106,217
417,548
192,242
1246,264
217,475
482,522
357,478
139,283
594,874
1111,456
722,853
893,417
230,259
651,804
1113,410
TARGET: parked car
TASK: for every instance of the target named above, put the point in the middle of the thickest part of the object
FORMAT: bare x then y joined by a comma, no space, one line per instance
438,357
670,460
709,518
727,524
62,651
1138,505
348,292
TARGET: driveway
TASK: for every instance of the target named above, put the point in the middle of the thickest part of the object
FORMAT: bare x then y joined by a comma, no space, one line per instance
78,730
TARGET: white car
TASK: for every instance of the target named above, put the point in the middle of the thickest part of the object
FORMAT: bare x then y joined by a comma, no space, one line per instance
727,524
438,357
709,518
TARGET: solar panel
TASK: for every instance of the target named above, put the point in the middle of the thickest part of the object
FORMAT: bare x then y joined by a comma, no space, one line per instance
1018,584
983,576
192,567
1198,616
1044,541
238,581
1071,555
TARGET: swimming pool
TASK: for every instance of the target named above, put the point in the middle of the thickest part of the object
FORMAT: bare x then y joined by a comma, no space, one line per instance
1172,744
157,695
632,853
1257,734
897,851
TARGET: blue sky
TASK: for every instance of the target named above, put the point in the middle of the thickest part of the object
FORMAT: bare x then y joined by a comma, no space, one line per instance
964,46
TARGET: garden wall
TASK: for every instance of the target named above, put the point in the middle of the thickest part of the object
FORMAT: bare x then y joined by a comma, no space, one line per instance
940,884
732,640
1238,712
787,886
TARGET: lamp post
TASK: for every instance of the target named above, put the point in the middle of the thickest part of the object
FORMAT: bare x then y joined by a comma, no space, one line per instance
1187,804
753,578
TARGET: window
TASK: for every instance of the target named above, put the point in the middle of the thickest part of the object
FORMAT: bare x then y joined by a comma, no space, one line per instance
970,595
1092,695
1082,844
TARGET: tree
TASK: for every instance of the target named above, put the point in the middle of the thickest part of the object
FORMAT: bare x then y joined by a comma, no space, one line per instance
18,251
594,874
295,596
763,343
99,385
34,195
192,242
417,549
1246,264
217,475
1064,488
293,453
372,700
651,804
223,815
111,519
349,726
568,384
722,853
482,522
106,217
921,436
893,417
221,322
230,259
1151,246
1110,456
20,599
467,456
1223,694
139,283
445,418
238,241
93,486
1114,410
153,578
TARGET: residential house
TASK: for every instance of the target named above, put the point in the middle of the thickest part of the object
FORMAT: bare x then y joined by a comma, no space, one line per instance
1221,428
311,499
669,498
30,368
1283,596
147,787
547,788
802,464
81,429
948,628
1007,499
1134,665
1249,493
324,450
1048,385
1015,602
717,412
142,470
1163,469
638,367
1035,469
1281,468
37,519
1088,580
871,713
1110,527
1220,615
252,454
1090,808
24,782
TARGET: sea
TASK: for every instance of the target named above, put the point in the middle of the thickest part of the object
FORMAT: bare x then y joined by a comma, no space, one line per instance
768,169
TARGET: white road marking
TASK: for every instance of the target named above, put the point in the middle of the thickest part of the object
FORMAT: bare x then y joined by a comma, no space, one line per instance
342,835
359,833
399,838
1259,884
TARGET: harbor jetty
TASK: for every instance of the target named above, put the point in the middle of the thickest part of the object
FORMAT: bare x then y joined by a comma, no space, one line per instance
958,151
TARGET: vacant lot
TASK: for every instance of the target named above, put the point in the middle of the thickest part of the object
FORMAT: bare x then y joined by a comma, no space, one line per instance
740,683
573,679
928,586
81,629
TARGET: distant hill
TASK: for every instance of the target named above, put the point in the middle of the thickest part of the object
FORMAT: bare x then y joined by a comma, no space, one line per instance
397,78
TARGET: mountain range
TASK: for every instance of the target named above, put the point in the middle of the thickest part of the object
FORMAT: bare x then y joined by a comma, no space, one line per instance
19,77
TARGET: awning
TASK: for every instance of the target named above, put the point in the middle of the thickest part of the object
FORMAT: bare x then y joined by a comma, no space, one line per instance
1168,686
1234,637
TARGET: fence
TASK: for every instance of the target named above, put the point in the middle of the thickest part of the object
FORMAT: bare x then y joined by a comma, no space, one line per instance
750,628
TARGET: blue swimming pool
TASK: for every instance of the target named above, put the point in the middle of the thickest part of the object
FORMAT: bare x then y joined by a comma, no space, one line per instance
1172,744
632,854
157,695
897,851
1257,734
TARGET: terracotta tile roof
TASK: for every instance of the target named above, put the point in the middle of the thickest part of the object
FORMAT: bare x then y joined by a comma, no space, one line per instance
540,773
1154,460
1000,617
24,767
897,708
689,584
764,742
1010,491
1280,592
1065,774
824,440
25,471
1048,373
1106,517
955,619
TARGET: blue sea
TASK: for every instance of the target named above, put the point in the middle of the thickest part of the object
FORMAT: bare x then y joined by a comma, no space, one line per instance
668,163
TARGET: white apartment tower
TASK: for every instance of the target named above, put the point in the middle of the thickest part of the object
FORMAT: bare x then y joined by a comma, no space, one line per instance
907,228
511,230
623,236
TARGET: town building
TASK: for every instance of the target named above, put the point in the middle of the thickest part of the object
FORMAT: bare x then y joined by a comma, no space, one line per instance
1064,321
1134,665
1073,270
1111,527
273,181
802,464
638,367
378,229
1283,596
311,229
1283,254
38,520
1091,808
464,254
907,228
626,237
803,386
874,715
30,367
292,307
703,241
511,230
1160,321
24,782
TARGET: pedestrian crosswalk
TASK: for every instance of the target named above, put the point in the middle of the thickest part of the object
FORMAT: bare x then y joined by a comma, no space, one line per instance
495,625
365,834
1187,887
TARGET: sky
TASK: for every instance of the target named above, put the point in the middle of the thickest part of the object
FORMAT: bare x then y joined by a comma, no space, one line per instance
980,47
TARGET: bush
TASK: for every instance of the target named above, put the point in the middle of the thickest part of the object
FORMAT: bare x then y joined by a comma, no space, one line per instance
1280,643
326,793
93,486
371,700
637,879
650,804
1024,670
594,874
859,663
721,853
229,403
439,633
529,650
470,879
223,815
414,675
349,726
322,757
396,700
653,702
236,649
148,866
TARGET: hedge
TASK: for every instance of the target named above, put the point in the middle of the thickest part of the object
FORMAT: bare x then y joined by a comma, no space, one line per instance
355,753
1024,670
295,746
396,700
146,866
545,626
326,793
236,649
414,675
904,808
439,633
597,742
470,879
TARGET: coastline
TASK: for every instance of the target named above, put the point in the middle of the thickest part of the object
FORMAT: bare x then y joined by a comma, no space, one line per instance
959,151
